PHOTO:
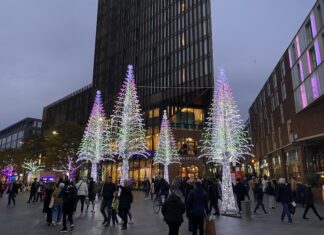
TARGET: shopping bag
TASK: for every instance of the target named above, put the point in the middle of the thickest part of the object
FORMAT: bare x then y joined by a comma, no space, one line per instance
292,208
210,228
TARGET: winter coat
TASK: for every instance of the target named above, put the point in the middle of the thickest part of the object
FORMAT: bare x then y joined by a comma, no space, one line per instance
284,194
309,197
108,190
197,204
12,188
48,196
270,190
33,187
173,209
93,189
239,190
125,198
82,188
259,194
69,196
57,199
213,192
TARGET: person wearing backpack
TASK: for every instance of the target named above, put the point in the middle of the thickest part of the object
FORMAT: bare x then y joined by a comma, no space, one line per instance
69,196
172,211
82,192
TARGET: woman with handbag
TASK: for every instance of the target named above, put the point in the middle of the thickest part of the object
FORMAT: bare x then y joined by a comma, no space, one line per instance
57,207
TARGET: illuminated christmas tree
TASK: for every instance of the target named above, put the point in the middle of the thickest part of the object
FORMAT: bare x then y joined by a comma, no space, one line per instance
94,145
8,171
127,125
166,152
224,139
69,168
32,167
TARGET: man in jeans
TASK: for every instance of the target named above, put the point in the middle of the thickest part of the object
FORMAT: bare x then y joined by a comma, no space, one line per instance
285,197
82,192
108,190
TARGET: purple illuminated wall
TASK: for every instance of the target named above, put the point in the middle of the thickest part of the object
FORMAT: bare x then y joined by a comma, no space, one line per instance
316,89
313,24
303,95
317,52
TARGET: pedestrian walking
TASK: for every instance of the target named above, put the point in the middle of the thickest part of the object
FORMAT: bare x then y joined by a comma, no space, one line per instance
271,192
172,210
293,186
47,202
39,193
69,196
114,208
82,192
146,188
125,201
2,188
240,192
12,192
108,190
309,201
285,198
33,191
213,196
197,208
259,196
246,187
93,189
58,204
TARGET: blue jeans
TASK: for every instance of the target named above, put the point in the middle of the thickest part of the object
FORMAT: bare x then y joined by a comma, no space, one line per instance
57,213
285,211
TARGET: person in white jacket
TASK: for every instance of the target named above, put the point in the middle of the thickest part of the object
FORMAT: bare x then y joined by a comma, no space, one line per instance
82,192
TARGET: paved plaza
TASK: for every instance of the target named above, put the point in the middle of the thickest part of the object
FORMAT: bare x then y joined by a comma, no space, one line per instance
25,219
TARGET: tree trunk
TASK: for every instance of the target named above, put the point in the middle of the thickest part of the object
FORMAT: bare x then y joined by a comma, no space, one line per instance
228,199
166,173
94,171
125,172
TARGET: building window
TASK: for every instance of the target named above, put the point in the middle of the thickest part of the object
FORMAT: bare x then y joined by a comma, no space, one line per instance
309,34
276,100
274,81
312,58
188,146
283,69
282,114
283,91
319,16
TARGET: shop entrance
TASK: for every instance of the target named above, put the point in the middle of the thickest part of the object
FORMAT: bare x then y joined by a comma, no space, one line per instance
189,171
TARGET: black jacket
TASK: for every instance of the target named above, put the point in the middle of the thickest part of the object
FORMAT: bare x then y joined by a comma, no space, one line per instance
309,198
12,188
284,194
259,194
213,192
239,190
173,209
270,190
197,204
33,187
108,190
125,198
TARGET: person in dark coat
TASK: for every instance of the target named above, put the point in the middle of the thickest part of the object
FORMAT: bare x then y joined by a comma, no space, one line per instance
284,196
12,192
146,188
108,190
300,193
259,197
270,190
69,196
239,190
48,196
165,188
92,192
213,196
188,187
197,208
309,201
172,210
125,201
157,187
33,191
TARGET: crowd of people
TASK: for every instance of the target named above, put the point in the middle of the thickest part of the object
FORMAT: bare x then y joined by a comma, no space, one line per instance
195,198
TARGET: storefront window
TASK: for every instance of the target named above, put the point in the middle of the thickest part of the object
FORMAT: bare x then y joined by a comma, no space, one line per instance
265,167
276,167
188,146
189,171
293,165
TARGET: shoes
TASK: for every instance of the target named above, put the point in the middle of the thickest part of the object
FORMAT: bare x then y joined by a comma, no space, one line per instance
105,221
58,223
63,230
72,226
130,221
124,228
53,224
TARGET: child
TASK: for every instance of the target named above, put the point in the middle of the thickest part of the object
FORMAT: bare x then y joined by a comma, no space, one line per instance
114,208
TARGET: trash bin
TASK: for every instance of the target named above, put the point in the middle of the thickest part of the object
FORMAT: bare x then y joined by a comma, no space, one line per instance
246,210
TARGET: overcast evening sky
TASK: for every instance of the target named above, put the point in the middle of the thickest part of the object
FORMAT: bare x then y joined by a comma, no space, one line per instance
47,48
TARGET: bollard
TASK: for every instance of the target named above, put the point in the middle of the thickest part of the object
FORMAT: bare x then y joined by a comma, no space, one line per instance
246,210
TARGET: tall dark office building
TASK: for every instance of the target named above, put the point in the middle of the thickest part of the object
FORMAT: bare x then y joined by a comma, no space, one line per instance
169,42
